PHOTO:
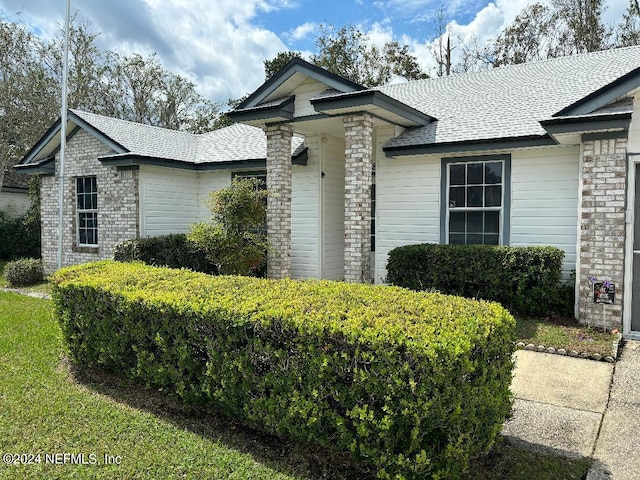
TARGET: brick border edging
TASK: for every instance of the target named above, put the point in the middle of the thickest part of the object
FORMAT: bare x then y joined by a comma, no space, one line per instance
612,358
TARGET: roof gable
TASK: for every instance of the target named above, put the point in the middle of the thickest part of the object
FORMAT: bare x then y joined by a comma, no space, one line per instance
292,75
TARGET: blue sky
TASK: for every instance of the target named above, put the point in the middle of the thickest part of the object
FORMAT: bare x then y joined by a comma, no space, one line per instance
221,45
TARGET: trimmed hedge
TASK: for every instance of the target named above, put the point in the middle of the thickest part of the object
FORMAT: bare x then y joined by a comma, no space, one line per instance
24,272
174,250
523,279
412,383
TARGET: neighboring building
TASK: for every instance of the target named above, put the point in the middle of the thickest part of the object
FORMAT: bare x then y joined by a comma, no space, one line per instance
535,154
14,191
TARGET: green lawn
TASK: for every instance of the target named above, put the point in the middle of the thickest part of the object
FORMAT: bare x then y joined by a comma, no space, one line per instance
48,408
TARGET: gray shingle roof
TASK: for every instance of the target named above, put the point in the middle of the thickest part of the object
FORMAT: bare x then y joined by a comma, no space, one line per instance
144,139
506,102
12,179
237,142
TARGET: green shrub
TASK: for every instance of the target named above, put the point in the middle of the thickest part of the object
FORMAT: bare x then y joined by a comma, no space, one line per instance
524,279
19,237
24,272
413,383
173,250
235,238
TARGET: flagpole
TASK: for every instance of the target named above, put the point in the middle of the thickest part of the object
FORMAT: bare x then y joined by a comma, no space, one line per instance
63,133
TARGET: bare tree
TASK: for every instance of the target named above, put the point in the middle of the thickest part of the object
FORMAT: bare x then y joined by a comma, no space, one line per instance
441,50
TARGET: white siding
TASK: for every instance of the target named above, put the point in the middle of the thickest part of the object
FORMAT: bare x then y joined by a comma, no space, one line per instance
333,211
305,240
307,90
408,204
168,200
14,204
544,199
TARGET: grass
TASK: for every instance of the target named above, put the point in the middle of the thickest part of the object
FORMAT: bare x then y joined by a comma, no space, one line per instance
49,407
562,332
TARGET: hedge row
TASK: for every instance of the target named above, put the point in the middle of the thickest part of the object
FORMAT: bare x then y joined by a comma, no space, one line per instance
19,237
174,250
412,383
523,279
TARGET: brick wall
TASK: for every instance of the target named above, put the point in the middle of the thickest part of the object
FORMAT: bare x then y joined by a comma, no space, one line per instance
602,227
358,131
118,204
279,201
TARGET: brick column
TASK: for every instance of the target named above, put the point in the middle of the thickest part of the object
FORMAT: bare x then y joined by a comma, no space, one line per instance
602,227
358,132
279,201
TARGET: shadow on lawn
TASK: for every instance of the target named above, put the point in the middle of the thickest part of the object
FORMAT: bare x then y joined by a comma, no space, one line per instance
299,459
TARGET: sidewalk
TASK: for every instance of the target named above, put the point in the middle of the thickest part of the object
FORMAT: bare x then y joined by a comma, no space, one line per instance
577,407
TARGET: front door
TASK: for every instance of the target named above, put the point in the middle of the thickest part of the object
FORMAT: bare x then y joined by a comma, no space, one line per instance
634,324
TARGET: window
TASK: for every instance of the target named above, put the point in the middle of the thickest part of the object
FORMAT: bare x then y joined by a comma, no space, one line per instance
87,211
260,175
475,196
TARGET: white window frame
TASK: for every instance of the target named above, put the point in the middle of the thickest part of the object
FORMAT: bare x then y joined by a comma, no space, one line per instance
83,211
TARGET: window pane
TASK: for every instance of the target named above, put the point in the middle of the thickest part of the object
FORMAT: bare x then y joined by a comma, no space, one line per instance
492,222
456,239
474,222
83,236
474,196
474,239
456,197
491,239
457,222
474,173
456,175
493,172
493,196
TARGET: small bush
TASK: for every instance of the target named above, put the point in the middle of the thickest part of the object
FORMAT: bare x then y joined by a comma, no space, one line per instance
24,272
413,383
524,279
19,237
174,251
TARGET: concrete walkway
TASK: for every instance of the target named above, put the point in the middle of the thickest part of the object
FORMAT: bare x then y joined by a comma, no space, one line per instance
578,407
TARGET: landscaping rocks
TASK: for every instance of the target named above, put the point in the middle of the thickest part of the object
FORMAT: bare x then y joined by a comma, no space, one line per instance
598,357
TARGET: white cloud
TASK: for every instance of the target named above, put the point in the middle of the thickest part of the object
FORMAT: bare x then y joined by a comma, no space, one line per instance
302,31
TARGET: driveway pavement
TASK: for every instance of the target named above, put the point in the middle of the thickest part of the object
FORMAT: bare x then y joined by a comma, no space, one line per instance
579,407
